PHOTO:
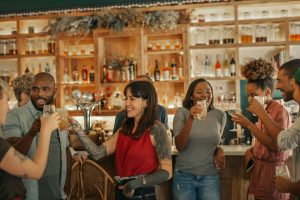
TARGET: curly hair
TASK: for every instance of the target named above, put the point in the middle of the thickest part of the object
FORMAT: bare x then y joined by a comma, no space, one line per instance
260,72
22,84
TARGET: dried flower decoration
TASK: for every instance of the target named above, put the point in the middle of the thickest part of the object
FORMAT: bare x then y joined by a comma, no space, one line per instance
258,69
116,20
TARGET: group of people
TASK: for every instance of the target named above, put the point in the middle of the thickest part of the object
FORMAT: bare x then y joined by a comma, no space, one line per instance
141,145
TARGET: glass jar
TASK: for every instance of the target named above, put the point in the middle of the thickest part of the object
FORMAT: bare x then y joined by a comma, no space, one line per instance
213,17
228,35
226,16
246,15
275,32
12,47
214,36
201,18
30,29
200,38
283,13
261,33
246,34
264,14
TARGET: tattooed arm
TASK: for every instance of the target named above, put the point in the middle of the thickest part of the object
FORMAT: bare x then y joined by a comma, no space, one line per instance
163,151
17,164
96,152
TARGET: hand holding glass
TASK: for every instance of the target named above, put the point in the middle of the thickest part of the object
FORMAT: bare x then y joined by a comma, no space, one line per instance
282,170
48,110
63,120
232,112
203,106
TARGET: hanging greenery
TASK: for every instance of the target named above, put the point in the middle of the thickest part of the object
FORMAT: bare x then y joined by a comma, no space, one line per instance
116,20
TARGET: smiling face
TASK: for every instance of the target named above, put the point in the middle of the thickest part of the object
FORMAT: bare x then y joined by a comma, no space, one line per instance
42,92
202,91
3,107
134,105
285,86
253,90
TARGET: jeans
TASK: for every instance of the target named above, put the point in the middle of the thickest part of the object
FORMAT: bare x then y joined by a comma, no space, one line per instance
187,186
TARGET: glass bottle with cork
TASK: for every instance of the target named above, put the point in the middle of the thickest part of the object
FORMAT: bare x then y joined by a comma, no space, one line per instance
174,75
92,74
218,68
156,71
166,71
84,73
232,67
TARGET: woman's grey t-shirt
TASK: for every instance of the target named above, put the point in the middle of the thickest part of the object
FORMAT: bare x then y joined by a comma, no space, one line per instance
198,157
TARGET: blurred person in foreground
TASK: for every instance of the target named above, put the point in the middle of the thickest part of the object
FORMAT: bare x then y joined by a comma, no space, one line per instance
14,163
22,129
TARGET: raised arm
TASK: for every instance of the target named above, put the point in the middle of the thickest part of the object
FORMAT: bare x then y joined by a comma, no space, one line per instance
96,152
17,164
182,125
272,128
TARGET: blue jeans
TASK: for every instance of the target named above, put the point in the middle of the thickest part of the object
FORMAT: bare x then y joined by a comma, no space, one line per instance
187,186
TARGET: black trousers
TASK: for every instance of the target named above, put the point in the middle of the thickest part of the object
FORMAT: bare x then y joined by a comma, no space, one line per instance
145,193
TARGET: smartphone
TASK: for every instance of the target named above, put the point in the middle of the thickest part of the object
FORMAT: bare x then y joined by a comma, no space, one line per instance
250,165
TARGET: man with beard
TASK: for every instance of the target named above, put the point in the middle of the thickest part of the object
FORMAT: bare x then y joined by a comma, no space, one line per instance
24,123
284,139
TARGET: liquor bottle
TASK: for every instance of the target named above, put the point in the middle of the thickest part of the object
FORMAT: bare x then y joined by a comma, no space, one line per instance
206,65
131,70
66,78
27,69
180,69
174,75
84,73
104,68
156,72
109,73
47,68
92,74
225,66
75,74
166,71
218,67
232,67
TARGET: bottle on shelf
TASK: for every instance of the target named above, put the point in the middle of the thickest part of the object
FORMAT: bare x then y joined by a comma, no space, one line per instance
207,67
180,69
156,71
109,73
92,74
66,78
225,66
131,70
104,70
177,100
84,73
232,67
218,67
75,74
40,68
166,71
165,100
174,75
47,68
27,69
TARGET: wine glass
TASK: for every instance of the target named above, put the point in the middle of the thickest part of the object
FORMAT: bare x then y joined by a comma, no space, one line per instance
48,110
282,170
232,112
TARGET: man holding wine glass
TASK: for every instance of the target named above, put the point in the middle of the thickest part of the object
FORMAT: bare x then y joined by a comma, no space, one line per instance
24,123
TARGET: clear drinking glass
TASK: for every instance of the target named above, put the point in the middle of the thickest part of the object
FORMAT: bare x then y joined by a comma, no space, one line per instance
63,120
231,112
282,170
48,110
202,104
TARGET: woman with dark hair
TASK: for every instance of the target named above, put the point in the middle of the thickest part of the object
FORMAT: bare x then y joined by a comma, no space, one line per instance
200,158
265,152
141,146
